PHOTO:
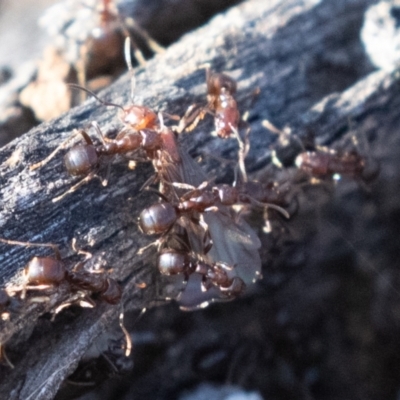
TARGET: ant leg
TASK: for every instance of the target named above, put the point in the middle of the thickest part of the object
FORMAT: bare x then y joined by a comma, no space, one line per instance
153,44
58,148
150,181
244,147
193,115
269,205
87,254
137,53
128,340
80,67
97,129
158,193
173,117
76,186
104,182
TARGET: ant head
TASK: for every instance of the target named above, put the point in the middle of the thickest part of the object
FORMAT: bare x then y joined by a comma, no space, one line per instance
138,117
218,81
45,271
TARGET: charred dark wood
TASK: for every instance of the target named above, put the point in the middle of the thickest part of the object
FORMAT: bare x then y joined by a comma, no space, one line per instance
298,54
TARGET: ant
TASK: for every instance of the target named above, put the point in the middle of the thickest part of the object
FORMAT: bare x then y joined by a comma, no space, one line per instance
44,272
324,162
173,262
91,36
252,192
221,102
161,217
333,164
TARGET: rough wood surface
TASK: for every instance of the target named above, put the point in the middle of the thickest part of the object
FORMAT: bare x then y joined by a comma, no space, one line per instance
297,53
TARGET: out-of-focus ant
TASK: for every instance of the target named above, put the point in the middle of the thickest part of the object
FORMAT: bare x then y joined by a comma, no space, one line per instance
323,164
173,262
327,163
221,91
44,272
90,35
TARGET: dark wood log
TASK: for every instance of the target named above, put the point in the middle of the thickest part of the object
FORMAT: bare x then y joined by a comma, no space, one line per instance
298,54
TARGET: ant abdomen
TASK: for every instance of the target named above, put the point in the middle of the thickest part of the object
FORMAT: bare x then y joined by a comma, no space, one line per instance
81,159
173,262
157,218
45,271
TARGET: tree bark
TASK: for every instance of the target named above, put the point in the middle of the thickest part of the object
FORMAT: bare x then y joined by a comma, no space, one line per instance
308,62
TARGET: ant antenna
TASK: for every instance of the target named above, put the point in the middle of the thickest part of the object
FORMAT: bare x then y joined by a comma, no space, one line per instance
105,103
128,60
30,244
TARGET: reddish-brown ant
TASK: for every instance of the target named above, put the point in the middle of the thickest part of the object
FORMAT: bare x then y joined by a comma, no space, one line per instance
334,164
254,193
44,272
221,91
4,301
172,262
325,162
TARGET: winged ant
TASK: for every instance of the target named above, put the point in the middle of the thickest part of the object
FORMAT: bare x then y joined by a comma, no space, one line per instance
234,242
